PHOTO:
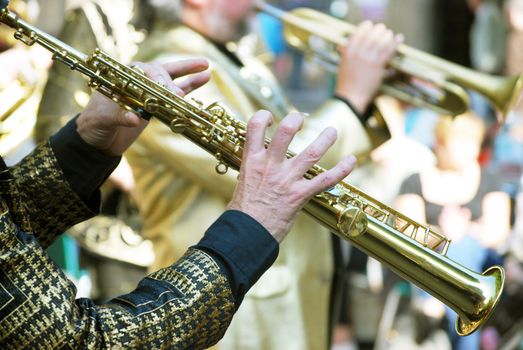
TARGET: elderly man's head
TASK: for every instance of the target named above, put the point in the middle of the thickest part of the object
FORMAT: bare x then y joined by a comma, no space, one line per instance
219,20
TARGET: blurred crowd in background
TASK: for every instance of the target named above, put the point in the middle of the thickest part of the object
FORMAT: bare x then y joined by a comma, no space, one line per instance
107,255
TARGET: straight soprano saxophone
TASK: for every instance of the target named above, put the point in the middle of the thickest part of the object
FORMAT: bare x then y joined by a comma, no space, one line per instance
383,233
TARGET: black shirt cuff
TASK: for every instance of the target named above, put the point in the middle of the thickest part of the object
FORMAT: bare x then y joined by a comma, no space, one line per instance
363,117
243,249
84,167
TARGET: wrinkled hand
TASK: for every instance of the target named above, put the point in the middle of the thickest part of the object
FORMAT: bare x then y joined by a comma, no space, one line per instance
272,188
112,129
363,63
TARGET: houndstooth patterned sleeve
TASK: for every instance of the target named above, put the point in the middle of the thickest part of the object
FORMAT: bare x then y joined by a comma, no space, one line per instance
186,306
50,203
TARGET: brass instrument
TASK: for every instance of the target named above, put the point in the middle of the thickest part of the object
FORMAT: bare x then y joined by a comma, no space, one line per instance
19,96
19,101
21,9
14,94
423,80
380,231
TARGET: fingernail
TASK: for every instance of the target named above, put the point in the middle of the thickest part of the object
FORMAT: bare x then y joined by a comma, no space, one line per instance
297,117
333,131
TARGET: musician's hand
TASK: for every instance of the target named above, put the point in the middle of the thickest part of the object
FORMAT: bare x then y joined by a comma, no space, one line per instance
363,63
272,188
106,126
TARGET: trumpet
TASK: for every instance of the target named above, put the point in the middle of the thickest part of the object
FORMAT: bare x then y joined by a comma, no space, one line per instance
423,80
397,241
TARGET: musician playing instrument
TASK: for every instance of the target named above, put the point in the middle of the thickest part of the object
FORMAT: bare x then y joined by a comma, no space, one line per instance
179,191
186,305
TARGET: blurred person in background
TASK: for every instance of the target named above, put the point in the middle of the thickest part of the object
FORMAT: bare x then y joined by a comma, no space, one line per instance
461,200
112,249
507,321
88,25
178,190
397,158
514,48
24,72
508,317
488,37
508,151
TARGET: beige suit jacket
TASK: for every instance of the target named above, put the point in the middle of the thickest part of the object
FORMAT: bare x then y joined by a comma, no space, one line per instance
180,193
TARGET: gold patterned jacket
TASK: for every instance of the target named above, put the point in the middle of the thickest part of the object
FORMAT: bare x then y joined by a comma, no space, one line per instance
179,193
186,305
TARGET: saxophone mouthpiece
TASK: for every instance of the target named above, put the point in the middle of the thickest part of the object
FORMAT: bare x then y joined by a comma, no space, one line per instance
3,4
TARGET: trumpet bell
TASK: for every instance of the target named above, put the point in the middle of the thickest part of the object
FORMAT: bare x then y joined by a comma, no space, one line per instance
424,80
507,95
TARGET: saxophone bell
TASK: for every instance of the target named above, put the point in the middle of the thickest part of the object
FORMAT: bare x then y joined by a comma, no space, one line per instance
411,251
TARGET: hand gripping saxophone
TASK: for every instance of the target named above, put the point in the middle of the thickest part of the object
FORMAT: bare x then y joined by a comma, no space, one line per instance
408,248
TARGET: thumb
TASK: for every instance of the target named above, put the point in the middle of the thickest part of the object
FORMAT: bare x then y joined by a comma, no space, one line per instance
124,118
